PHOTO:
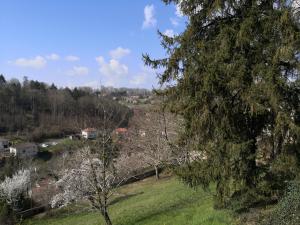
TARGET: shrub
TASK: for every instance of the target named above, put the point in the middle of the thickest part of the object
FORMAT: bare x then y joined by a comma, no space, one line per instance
287,211
6,214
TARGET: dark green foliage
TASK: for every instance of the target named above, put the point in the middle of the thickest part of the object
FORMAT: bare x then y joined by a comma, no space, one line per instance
233,75
2,80
6,214
287,212
8,167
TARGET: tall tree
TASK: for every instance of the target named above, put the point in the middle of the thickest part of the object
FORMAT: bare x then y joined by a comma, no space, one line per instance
234,76
95,171
149,135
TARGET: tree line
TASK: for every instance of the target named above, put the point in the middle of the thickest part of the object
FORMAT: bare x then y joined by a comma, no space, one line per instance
39,110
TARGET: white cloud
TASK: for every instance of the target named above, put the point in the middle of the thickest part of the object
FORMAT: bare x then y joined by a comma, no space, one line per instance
174,22
36,63
143,77
138,79
113,71
79,71
169,33
72,58
113,67
179,12
149,20
119,53
53,57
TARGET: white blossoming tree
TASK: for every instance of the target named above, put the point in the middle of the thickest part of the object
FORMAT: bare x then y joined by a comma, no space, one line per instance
93,178
12,189
93,174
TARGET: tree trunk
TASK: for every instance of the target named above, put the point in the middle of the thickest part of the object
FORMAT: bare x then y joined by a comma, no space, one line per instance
156,172
106,217
251,175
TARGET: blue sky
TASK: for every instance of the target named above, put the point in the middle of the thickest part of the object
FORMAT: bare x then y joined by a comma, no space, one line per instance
84,42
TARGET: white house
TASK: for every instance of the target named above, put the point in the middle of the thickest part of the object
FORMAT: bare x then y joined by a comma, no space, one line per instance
89,133
24,150
142,133
4,145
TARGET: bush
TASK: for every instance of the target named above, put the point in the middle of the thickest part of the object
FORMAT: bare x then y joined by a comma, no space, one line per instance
245,199
6,214
287,211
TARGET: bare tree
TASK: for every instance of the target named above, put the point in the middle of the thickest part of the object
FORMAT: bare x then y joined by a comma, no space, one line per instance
151,132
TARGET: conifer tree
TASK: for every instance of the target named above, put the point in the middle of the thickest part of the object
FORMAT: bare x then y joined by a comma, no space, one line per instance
233,74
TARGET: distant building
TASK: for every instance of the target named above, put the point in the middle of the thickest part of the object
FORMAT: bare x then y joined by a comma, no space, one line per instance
131,99
89,133
142,133
24,150
4,145
136,97
121,130
75,137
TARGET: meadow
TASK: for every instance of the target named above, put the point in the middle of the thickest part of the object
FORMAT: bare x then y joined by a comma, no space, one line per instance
148,202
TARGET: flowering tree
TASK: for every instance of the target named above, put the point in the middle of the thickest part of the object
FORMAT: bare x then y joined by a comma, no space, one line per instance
94,179
94,172
12,189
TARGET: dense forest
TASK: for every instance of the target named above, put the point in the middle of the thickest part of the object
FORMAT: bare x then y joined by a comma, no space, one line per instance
38,110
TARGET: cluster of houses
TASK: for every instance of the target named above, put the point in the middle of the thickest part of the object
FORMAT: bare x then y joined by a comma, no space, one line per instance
135,100
91,133
26,150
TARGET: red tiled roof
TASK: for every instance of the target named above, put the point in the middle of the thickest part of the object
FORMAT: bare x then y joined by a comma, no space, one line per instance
121,130
90,130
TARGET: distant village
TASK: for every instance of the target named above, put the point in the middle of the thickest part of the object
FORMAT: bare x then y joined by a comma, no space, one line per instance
125,96
30,149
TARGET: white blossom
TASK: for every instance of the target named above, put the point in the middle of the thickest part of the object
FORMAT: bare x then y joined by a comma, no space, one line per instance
12,188
85,180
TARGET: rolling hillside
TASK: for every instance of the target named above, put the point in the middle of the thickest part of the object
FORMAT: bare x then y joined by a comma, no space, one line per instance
148,202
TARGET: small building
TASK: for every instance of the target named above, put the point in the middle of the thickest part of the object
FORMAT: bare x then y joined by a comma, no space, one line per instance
89,133
121,130
24,150
142,133
4,145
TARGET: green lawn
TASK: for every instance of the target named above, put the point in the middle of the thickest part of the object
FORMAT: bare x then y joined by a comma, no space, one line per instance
166,202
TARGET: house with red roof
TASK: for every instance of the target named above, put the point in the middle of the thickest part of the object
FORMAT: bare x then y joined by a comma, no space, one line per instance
121,130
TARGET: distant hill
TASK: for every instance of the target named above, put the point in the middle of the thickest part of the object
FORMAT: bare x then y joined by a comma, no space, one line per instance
39,110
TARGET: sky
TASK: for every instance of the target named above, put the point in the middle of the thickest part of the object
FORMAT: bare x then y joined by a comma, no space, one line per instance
84,42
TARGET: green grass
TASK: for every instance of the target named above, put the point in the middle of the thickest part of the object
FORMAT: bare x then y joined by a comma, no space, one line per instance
166,202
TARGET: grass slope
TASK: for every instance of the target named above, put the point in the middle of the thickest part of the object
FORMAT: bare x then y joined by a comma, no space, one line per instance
166,202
